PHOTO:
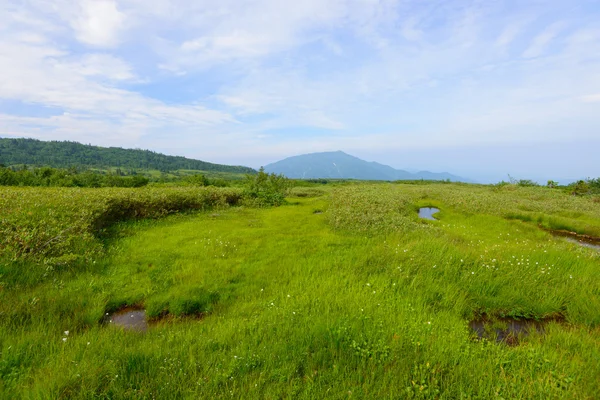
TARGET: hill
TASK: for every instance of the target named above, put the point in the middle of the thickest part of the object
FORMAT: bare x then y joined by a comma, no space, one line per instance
68,154
339,165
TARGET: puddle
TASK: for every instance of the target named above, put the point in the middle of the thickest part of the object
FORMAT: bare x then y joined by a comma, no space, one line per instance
427,213
131,319
582,240
584,243
507,330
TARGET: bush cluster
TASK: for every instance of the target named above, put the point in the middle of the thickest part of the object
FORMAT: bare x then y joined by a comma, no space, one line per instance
265,189
62,225
58,177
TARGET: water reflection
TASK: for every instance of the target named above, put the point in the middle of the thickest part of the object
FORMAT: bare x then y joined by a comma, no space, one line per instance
427,213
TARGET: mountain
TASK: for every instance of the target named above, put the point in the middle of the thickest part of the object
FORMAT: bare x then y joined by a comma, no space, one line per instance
67,154
339,165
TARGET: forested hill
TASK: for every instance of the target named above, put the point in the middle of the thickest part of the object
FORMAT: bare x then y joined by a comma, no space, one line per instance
67,154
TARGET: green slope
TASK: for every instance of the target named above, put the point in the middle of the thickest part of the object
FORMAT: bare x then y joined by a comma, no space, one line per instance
67,154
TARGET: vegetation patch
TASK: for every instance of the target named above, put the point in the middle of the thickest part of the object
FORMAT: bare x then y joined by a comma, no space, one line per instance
365,301
193,302
60,226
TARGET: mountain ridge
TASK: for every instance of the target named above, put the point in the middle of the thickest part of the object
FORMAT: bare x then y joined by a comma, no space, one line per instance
65,154
340,165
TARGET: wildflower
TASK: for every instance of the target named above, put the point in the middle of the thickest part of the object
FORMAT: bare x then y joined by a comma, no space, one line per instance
67,333
64,339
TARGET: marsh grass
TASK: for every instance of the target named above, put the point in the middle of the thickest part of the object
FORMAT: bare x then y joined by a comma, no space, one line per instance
361,301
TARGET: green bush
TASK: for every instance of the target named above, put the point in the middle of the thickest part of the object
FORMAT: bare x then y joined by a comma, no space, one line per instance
53,225
58,177
265,189
526,183
579,188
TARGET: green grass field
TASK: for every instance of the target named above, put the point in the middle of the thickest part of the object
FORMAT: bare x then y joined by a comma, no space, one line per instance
342,293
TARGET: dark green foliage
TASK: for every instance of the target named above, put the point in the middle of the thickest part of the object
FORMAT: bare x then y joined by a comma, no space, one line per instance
579,188
47,176
526,183
594,185
197,180
266,189
66,154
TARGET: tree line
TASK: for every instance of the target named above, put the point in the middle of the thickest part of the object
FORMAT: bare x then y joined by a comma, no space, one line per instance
66,154
62,177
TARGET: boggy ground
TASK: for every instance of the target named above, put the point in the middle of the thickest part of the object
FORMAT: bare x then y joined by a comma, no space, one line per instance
361,301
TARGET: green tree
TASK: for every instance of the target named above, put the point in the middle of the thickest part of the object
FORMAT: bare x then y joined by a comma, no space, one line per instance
267,189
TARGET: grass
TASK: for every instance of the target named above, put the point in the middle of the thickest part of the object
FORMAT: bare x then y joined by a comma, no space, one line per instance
60,226
363,300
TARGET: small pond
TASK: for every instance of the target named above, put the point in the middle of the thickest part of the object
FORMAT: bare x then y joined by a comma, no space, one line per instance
508,330
427,213
582,240
583,243
132,319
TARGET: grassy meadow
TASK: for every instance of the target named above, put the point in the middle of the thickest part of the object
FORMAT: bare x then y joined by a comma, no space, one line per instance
341,293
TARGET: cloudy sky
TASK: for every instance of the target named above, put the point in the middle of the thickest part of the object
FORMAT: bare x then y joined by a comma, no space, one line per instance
479,88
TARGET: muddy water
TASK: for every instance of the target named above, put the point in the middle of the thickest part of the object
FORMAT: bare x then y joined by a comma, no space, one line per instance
129,319
589,245
506,330
427,213
582,240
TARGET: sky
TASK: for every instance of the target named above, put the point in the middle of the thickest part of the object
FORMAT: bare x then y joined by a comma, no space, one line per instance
480,88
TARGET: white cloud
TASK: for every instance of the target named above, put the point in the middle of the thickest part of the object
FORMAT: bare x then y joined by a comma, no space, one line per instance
262,73
513,30
98,22
591,98
101,65
542,40
84,87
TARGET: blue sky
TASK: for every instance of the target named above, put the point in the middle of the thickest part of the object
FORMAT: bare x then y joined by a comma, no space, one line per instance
481,89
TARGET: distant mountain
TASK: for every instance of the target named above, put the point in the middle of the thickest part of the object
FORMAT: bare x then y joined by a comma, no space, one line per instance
67,154
339,165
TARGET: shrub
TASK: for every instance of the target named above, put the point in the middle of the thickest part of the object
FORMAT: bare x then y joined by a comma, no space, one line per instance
579,188
58,224
265,189
526,183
